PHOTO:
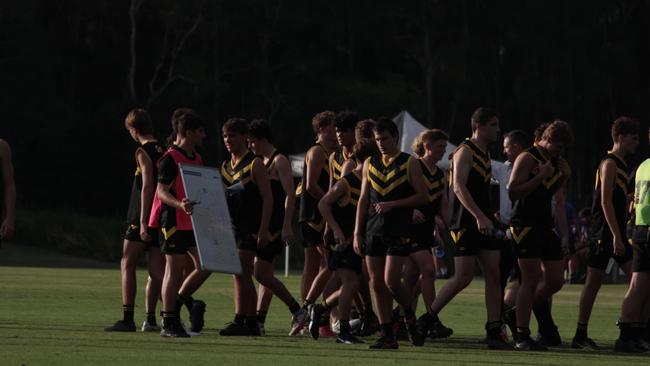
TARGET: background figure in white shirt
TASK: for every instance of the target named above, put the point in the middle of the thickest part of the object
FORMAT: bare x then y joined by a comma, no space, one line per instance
514,143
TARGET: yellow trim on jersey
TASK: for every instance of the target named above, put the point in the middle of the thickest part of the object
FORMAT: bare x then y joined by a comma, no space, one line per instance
168,234
456,235
519,237
388,176
387,190
317,226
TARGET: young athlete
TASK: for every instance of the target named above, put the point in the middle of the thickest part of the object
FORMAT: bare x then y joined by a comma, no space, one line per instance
392,186
634,320
313,186
430,147
7,193
607,234
280,231
535,184
139,237
172,209
250,203
472,226
338,207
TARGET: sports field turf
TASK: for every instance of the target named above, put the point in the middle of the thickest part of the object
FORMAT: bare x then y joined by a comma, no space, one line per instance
55,316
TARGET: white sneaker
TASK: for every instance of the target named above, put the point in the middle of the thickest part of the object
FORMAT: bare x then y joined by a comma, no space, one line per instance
148,327
298,322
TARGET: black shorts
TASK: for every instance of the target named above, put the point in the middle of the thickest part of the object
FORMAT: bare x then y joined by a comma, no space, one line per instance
641,246
381,246
246,242
469,242
270,250
311,237
179,242
532,242
345,259
600,251
418,245
133,234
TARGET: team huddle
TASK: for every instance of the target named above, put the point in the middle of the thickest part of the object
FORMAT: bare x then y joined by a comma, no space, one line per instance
373,219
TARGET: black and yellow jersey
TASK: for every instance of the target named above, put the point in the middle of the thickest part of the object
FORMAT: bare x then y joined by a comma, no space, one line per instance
536,209
243,196
478,185
598,228
339,157
345,211
308,206
154,151
436,183
389,181
279,198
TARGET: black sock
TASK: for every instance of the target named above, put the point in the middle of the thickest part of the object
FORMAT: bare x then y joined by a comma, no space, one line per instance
261,316
522,333
151,317
239,319
344,327
627,334
639,329
387,330
409,314
251,321
369,313
434,317
325,319
581,331
127,313
493,329
542,312
169,318
293,306
184,300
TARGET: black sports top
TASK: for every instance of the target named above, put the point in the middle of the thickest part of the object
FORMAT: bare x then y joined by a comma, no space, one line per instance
536,209
598,228
308,210
154,151
389,181
436,184
346,214
243,196
478,185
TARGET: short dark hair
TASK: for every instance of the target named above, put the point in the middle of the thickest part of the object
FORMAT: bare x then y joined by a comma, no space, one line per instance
518,137
260,129
364,149
386,124
237,125
322,119
364,129
482,116
558,131
539,131
189,121
346,120
139,120
174,120
624,126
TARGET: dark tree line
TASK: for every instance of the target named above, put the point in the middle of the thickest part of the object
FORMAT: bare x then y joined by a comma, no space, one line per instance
71,69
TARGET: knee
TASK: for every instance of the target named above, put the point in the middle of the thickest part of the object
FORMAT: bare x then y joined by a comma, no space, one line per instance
393,285
462,280
128,263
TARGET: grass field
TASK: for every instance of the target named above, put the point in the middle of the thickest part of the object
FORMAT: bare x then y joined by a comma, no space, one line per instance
55,316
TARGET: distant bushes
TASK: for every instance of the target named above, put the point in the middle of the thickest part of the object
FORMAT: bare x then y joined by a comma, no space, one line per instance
71,233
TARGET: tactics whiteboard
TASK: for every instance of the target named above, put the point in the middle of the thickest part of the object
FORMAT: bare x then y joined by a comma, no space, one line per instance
215,240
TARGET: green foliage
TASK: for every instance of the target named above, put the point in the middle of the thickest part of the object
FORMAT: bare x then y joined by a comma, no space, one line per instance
71,233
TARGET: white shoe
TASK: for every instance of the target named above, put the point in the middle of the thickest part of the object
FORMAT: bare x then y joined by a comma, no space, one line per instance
148,327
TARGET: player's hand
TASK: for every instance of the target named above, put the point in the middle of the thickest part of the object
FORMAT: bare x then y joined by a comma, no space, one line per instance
7,229
262,239
418,217
287,234
563,166
144,235
565,246
485,225
187,205
619,246
383,208
356,245
545,170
